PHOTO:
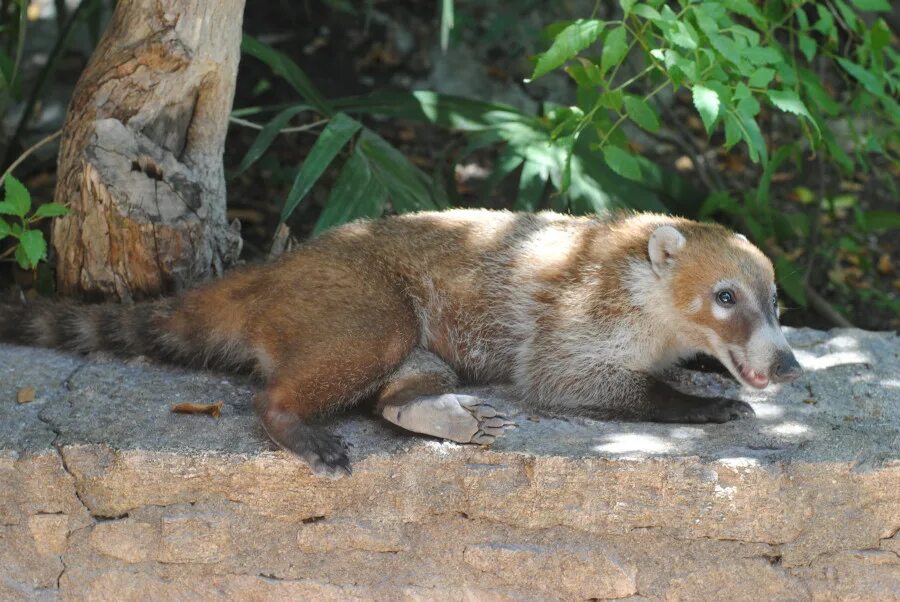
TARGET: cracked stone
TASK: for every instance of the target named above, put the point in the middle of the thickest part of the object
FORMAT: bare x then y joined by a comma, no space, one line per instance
193,539
349,534
127,540
583,571
747,579
49,532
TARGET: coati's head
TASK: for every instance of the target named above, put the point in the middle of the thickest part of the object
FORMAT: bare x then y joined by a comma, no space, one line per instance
723,292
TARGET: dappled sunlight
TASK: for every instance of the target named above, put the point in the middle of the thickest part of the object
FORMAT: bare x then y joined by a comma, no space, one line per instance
738,462
788,429
843,342
623,443
767,411
840,350
687,433
813,362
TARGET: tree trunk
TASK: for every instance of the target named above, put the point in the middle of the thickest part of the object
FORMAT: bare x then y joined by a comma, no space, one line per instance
140,164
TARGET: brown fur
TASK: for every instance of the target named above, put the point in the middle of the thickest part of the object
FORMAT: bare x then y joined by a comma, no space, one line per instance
494,295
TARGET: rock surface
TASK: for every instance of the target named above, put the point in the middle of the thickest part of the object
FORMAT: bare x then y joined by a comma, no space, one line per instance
106,494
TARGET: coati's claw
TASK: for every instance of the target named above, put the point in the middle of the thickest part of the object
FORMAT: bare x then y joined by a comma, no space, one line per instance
455,417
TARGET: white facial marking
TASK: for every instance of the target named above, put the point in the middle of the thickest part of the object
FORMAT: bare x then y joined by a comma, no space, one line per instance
719,312
764,343
695,306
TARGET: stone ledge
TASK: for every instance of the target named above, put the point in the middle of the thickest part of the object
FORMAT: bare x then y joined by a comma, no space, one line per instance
105,494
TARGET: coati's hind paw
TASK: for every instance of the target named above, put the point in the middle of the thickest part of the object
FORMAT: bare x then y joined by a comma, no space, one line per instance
455,417
705,409
491,423
326,454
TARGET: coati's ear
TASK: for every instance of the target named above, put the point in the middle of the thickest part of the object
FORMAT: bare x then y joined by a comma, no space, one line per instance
665,244
740,236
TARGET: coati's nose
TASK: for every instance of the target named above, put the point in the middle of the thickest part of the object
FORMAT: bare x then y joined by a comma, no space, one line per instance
785,368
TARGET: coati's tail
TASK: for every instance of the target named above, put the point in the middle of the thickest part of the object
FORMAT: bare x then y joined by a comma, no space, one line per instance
161,329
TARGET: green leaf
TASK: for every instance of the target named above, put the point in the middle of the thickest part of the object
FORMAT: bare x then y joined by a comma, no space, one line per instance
756,144
741,91
707,103
614,49
18,199
750,35
356,193
283,66
732,131
409,189
707,15
646,12
765,181
506,163
641,113
51,210
681,33
441,109
727,48
569,42
807,46
817,93
531,186
791,280
612,99
31,250
266,136
872,5
749,106
627,5
447,23
585,73
4,229
745,8
621,162
849,15
718,201
329,143
881,220
825,25
762,55
761,77
789,102
870,81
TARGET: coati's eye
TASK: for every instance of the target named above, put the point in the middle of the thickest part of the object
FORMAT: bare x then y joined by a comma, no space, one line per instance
725,298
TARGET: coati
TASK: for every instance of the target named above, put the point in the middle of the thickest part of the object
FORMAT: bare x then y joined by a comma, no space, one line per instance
579,313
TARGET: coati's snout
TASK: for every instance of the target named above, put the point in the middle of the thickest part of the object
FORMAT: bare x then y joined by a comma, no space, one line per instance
785,368
724,290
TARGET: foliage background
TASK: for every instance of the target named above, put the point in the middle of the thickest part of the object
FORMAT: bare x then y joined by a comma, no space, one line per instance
777,117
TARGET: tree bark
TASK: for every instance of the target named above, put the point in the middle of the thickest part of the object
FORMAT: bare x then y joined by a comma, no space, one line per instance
140,163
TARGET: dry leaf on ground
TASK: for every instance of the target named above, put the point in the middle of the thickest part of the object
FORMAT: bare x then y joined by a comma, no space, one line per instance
25,395
213,409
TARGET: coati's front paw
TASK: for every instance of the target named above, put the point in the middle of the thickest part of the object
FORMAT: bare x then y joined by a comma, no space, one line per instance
455,417
704,409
